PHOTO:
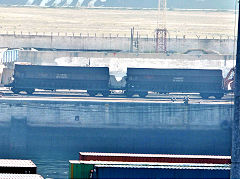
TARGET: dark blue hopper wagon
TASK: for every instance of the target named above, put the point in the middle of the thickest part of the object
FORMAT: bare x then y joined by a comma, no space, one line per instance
30,77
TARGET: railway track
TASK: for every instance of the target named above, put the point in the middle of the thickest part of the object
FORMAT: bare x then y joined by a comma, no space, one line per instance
114,97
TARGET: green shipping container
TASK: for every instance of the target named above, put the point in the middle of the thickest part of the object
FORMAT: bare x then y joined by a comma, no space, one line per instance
78,170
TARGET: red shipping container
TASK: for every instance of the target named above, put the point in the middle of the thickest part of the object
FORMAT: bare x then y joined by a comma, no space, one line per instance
159,158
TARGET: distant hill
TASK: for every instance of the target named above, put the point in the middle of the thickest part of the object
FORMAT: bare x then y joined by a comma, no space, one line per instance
182,4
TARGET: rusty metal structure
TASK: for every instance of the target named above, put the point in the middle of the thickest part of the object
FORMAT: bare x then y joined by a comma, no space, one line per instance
229,81
161,31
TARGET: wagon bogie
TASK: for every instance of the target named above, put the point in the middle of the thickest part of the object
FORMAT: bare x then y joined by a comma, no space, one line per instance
106,93
30,91
15,90
92,93
143,94
219,95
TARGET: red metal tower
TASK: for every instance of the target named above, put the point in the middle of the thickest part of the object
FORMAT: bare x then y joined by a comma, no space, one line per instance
161,31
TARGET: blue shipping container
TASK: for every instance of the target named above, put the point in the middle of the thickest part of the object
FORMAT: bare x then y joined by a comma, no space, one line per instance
103,172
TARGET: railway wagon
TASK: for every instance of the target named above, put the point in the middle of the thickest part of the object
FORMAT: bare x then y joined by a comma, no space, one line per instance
206,82
30,77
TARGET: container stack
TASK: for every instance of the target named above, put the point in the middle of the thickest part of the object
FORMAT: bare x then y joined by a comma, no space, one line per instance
118,165
18,169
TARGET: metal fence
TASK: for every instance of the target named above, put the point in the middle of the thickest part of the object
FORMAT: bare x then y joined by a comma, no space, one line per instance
170,35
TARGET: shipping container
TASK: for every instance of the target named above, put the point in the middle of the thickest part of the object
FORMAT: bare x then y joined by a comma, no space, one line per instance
30,77
83,169
20,176
17,166
206,82
78,169
182,171
89,156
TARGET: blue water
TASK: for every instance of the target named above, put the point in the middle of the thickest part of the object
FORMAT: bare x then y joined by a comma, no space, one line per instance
51,148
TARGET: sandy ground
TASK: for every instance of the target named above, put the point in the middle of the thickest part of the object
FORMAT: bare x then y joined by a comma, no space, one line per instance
114,21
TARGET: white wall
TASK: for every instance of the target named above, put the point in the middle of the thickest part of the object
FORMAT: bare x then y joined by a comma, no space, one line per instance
113,43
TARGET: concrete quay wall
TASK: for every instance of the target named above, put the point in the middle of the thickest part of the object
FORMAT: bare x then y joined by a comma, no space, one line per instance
141,45
116,115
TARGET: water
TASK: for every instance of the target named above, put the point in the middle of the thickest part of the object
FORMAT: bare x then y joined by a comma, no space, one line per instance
52,148
51,163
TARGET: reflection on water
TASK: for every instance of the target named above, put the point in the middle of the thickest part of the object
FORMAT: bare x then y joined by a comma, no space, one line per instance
51,164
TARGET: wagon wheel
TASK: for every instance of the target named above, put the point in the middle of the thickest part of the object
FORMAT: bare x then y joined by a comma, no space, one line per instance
129,94
205,95
30,91
219,95
15,90
106,93
143,94
92,93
